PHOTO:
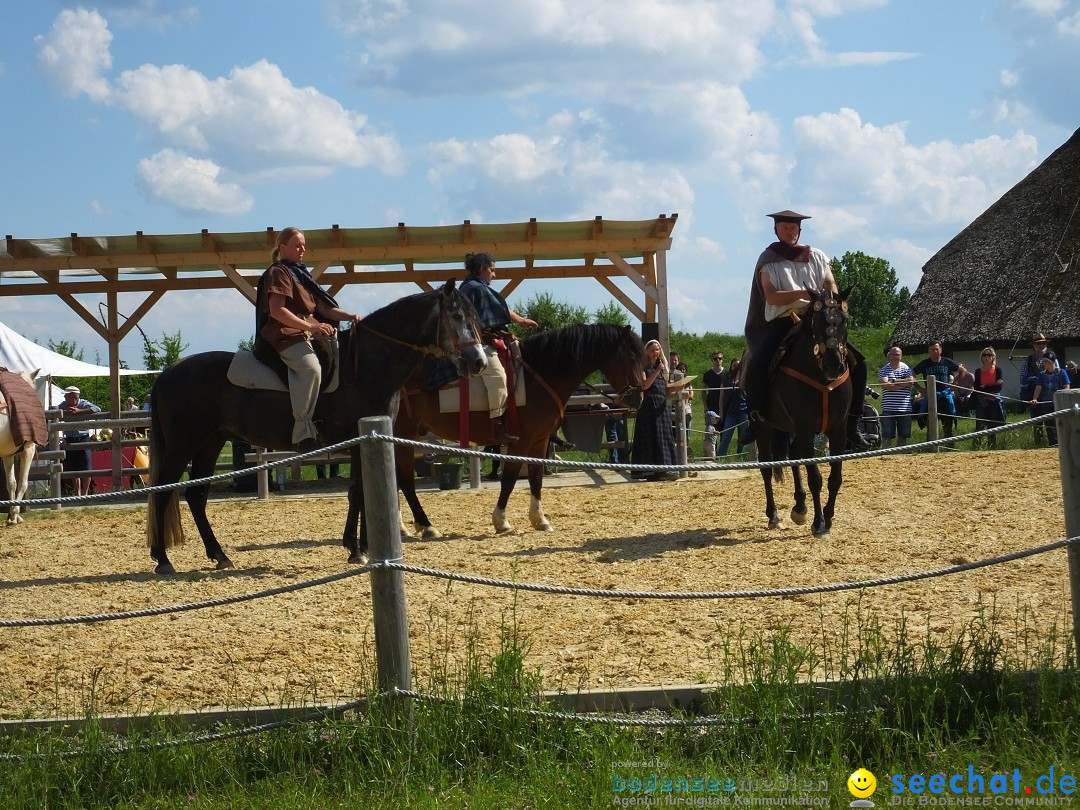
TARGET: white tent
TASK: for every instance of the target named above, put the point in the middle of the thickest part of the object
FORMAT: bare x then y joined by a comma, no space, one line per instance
18,353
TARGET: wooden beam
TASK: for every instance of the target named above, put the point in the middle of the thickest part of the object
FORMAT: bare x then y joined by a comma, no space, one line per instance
622,298
91,319
245,287
508,289
136,316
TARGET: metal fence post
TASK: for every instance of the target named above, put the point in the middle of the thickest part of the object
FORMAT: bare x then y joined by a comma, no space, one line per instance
382,516
1068,430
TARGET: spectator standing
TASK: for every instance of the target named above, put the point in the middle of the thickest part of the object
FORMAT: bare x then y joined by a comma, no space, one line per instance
942,369
77,460
736,412
713,381
896,380
1031,369
986,396
713,420
680,408
963,383
653,442
1052,378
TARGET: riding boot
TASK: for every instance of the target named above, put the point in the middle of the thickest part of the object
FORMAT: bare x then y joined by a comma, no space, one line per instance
856,441
499,433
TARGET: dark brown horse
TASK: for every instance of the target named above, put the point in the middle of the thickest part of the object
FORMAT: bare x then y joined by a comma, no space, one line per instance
556,362
196,409
809,394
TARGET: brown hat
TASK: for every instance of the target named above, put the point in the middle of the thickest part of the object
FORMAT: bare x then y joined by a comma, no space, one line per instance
1036,337
788,216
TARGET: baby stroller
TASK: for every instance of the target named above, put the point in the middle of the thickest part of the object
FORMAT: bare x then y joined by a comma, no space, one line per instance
870,423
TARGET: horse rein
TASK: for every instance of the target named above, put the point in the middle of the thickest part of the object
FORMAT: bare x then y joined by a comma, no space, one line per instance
432,351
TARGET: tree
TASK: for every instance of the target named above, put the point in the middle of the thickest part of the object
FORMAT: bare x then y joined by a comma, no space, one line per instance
611,313
68,348
550,314
875,301
158,354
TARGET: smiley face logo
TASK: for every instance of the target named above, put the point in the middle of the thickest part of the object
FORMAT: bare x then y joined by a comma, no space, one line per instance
862,783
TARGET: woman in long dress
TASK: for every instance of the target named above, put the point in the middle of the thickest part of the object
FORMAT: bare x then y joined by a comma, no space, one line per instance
653,439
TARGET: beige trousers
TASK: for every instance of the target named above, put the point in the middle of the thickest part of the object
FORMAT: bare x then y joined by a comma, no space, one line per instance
305,377
494,377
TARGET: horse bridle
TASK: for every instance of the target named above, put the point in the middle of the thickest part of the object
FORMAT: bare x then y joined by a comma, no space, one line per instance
835,311
436,350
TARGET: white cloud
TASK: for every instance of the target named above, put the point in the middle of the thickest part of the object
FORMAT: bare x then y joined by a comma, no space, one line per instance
254,122
253,117
940,182
75,54
191,184
519,46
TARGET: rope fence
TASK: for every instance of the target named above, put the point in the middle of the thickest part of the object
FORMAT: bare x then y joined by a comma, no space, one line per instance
449,450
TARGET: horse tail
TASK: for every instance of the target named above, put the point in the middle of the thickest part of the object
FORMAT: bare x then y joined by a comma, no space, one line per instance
778,475
168,502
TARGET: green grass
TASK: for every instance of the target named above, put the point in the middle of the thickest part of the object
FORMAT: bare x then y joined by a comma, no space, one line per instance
995,701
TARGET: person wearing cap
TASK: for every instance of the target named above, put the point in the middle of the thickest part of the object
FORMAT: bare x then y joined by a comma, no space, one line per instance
786,274
1031,369
1052,378
713,421
77,460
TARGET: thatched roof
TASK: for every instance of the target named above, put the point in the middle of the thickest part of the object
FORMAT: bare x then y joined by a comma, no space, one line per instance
1013,270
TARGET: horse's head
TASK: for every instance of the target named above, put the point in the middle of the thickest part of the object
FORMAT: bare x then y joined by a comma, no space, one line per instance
459,331
827,318
625,369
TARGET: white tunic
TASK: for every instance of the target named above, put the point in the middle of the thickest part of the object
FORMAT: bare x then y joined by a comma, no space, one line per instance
787,276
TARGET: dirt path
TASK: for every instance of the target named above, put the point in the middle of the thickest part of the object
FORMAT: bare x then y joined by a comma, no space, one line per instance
897,515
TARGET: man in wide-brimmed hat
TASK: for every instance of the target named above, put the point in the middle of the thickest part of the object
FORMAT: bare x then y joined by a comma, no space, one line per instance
1031,369
786,274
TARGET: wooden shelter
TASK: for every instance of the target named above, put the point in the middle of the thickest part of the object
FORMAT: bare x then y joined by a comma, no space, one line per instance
151,266
1013,271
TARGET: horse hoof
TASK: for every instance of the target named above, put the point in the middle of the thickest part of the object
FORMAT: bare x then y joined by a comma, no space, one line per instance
358,559
223,562
429,533
506,528
798,518
544,527
774,523
165,569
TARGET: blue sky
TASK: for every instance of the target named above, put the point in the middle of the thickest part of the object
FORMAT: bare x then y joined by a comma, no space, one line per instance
893,123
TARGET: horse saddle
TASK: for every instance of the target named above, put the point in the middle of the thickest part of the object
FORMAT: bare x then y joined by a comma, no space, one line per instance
450,394
263,368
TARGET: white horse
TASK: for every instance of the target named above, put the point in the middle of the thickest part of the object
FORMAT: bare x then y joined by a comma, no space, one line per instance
12,453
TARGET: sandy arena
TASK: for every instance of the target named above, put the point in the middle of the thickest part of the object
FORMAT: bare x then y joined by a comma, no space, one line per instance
896,515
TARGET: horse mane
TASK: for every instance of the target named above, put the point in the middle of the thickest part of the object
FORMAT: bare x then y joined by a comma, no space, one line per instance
551,351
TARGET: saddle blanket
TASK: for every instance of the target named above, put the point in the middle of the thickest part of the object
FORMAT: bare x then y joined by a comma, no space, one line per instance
25,410
450,396
247,371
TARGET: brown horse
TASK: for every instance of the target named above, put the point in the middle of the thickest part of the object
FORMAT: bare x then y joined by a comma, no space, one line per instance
809,394
556,362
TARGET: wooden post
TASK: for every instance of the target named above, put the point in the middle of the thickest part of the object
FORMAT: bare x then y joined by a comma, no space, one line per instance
383,518
931,411
1068,429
